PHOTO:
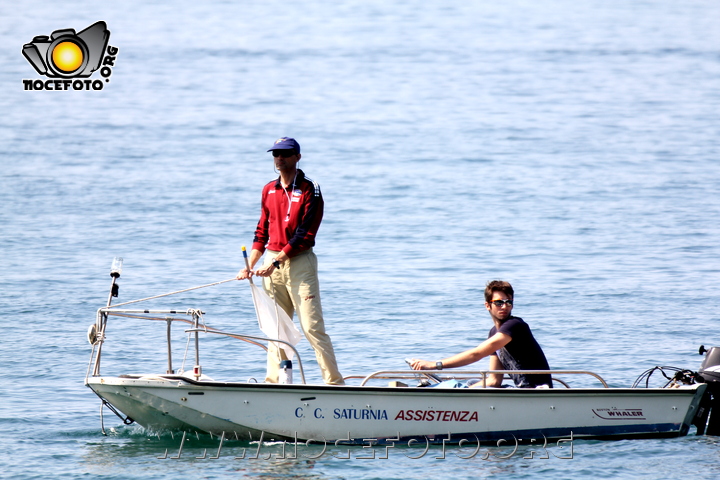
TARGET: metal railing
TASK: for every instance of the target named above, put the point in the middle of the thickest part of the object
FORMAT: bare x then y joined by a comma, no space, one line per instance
444,374
251,337
197,328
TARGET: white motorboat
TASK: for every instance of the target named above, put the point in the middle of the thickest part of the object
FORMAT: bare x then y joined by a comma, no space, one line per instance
385,406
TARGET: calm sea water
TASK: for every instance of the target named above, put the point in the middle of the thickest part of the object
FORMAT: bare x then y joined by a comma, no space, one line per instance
570,148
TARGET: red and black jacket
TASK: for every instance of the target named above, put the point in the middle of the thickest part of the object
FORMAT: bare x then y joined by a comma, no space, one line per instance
289,218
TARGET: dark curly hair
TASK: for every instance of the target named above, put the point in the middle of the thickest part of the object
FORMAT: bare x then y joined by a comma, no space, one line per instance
498,286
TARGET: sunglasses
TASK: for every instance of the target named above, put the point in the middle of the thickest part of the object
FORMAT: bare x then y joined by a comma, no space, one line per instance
283,153
500,303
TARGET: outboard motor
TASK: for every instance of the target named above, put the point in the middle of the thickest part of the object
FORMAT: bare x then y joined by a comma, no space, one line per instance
709,411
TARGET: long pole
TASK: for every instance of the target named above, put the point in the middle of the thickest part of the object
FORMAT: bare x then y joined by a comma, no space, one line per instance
247,262
247,265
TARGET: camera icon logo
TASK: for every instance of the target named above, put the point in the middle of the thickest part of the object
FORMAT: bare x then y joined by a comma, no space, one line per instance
67,54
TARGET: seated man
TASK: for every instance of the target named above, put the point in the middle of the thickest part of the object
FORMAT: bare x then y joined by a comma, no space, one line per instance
510,344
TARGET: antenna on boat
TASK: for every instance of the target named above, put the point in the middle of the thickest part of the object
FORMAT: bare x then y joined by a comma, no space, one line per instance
96,332
115,271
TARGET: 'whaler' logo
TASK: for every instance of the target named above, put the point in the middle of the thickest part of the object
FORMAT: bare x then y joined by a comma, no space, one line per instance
619,413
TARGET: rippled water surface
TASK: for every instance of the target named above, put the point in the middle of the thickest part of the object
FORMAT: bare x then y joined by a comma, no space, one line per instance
570,148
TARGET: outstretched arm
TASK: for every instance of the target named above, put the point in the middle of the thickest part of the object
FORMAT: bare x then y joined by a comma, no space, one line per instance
489,346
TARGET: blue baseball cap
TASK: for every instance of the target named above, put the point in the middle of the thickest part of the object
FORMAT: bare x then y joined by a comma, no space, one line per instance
285,143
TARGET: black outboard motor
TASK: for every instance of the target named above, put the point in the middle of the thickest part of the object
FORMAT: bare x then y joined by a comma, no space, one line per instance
709,411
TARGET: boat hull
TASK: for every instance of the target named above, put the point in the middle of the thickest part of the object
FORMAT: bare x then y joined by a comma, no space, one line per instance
357,414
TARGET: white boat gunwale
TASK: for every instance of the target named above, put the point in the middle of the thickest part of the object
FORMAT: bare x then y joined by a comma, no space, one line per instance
189,382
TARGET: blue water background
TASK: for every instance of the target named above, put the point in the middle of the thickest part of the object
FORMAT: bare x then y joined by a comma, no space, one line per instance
571,148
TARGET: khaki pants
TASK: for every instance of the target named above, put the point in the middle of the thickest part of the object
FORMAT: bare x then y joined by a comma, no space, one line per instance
295,288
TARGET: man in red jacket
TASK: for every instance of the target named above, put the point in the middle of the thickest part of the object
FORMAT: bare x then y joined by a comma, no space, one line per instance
292,209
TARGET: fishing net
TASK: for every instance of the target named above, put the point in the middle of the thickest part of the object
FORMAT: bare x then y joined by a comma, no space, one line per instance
273,320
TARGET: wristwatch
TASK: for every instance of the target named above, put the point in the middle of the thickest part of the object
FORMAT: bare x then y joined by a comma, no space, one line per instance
438,365
275,263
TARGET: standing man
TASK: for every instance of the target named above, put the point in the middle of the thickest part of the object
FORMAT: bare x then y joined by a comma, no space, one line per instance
292,209
510,344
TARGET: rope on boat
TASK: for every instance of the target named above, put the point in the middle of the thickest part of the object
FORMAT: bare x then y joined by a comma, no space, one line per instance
172,293
681,376
185,355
